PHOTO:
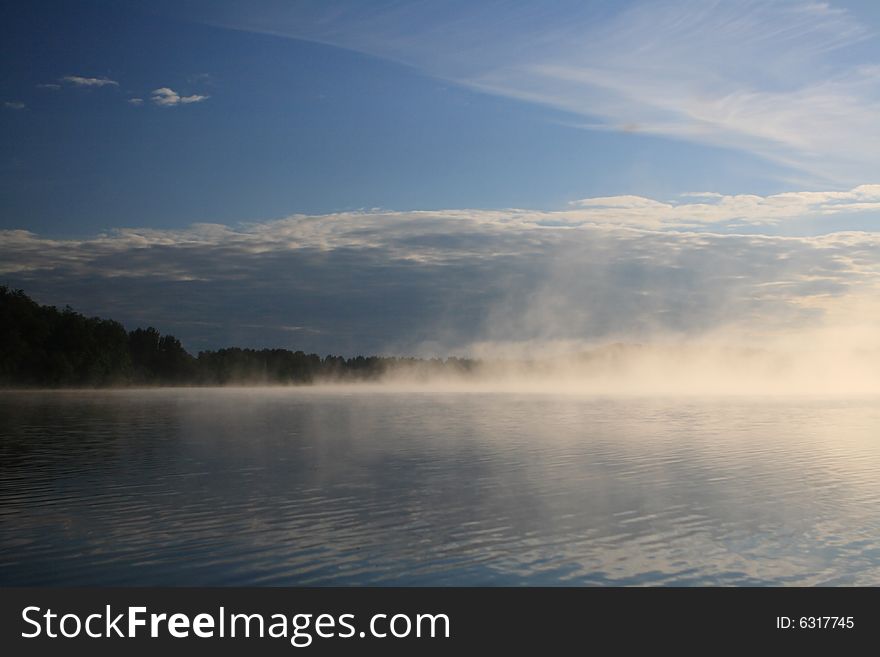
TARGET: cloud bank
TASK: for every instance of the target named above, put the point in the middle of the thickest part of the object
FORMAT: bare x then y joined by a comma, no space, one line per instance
440,282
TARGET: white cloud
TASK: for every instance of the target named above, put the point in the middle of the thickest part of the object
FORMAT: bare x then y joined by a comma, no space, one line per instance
80,81
445,235
50,85
761,77
137,102
701,194
165,97
714,208
14,105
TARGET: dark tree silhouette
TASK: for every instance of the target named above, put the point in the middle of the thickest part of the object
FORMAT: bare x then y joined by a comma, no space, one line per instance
42,346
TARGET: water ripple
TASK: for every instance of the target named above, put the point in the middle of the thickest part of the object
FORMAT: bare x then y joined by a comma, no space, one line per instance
288,487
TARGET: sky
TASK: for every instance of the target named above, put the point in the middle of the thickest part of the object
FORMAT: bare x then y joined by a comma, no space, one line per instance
432,177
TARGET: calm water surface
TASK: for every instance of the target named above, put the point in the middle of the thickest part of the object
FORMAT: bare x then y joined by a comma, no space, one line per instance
312,487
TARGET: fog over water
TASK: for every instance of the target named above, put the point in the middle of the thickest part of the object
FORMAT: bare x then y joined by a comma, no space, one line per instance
678,370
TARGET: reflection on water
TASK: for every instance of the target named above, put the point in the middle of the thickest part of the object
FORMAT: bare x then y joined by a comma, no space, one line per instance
312,487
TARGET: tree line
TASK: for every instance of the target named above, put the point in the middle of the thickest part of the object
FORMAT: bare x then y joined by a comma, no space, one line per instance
41,346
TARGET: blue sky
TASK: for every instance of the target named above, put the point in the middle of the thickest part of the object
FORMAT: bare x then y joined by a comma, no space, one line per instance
407,176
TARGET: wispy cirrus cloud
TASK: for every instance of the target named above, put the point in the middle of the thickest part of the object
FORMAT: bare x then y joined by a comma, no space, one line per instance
14,105
784,80
166,97
82,81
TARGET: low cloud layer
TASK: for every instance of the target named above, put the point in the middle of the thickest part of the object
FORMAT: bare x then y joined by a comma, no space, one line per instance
440,282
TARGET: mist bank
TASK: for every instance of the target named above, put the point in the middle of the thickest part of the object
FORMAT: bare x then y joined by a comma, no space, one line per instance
667,369
43,347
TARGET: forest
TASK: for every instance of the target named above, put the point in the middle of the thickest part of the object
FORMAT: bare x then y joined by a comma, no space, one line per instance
41,346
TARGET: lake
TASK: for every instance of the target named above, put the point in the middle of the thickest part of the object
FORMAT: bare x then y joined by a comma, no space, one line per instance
383,486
